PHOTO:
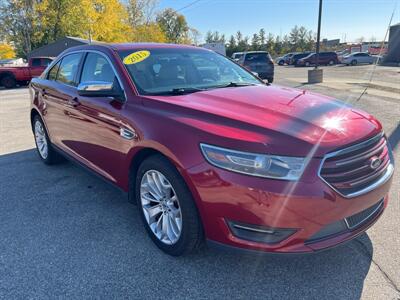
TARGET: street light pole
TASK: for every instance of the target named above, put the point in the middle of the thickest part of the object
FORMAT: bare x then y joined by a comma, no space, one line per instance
318,34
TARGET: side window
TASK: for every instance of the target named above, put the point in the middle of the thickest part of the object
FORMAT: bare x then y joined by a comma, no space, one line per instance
97,68
45,62
68,68
52,75
36,62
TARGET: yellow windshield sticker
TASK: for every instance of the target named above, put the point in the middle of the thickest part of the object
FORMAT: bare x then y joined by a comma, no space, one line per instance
136,57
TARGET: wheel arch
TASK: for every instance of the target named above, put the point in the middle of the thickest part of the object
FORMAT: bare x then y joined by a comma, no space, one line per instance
145,152
5,74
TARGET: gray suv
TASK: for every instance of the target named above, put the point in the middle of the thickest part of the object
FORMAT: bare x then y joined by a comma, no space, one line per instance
259,62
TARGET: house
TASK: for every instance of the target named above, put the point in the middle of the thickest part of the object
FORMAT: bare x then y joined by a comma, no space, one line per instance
55,48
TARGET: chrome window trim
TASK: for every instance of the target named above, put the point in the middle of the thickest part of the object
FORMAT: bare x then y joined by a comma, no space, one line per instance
388,174
88,51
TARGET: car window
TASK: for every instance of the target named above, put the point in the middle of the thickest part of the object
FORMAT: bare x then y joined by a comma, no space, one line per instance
52,75
256,57
97,68
166,69
36,62
45,62
69,68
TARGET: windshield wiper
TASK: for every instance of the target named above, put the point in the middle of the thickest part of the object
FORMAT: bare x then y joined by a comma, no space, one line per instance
179,91
234,84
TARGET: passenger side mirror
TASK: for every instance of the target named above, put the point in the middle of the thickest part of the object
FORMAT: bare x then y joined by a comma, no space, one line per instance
100,89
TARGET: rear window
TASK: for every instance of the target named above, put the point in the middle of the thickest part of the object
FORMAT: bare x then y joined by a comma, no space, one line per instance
257,57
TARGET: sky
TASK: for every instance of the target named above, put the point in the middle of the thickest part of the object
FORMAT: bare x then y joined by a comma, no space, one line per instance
347,20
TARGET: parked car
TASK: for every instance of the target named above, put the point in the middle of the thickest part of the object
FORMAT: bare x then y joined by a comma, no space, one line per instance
358,58
259,62
237,55
294,58
325,58
10,76
282,60
208,152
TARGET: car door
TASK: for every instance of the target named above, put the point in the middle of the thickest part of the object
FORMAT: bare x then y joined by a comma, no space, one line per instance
58,94
94,122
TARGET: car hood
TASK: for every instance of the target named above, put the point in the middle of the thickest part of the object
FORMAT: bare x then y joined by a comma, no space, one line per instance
286,120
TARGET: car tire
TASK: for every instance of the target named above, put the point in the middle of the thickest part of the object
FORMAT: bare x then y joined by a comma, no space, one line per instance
9,82
182,231
270,79
281,63
354,62
44,148
307,64
331,62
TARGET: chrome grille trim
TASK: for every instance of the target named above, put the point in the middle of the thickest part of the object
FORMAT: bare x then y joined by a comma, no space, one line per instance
385,177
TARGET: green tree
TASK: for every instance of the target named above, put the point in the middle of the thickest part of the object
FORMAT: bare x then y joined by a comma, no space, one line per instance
262,38
174,26
270,43
255,42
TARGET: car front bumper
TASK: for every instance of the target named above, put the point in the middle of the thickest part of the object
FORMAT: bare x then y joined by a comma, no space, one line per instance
309,207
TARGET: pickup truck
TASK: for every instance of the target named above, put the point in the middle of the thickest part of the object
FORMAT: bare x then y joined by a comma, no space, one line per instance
10,76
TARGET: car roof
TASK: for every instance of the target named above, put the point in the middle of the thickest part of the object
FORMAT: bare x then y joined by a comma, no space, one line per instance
132,47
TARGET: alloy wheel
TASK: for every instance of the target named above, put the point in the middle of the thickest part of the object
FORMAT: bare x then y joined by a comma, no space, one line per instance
41,141
161,207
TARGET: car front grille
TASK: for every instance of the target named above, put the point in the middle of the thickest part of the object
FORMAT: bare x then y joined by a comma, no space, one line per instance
355,170
348,224
356,220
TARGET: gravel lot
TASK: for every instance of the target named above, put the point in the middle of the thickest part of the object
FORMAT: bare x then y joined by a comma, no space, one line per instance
66,234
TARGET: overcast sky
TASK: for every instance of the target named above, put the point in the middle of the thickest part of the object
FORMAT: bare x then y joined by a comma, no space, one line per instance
344,19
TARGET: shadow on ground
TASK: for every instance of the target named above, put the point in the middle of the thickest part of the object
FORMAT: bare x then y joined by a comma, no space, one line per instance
64,233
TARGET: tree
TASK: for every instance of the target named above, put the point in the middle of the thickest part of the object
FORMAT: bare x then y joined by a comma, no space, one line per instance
294,38
141,11
261,35
6,51
17,24
255,42
174,26
148,33
270,43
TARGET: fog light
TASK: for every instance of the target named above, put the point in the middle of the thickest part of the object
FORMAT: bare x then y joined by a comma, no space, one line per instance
260,234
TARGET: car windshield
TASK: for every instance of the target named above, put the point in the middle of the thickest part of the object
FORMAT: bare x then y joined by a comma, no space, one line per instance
173,70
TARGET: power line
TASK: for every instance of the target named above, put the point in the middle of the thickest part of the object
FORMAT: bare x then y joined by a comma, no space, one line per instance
186,6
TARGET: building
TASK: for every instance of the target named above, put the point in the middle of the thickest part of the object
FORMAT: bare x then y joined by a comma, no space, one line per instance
393,54
54,49
330,43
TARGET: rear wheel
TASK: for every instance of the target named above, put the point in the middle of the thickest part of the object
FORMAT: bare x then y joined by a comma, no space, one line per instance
281,63
167,207
331,62
8,82
307,64
270,79
43,146
354,62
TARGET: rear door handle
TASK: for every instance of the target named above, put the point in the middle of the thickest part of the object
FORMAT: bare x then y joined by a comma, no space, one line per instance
74,102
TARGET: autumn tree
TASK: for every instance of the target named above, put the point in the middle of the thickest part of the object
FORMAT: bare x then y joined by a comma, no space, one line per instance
6,51
174,26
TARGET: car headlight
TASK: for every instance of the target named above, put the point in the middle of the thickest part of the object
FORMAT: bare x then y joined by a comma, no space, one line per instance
269,166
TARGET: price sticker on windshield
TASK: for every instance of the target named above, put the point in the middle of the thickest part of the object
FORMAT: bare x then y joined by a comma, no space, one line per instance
136,57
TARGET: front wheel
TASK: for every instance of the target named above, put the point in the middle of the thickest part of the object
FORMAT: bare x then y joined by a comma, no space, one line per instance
43,146
307,64
270,79
167,207
331,62
354,62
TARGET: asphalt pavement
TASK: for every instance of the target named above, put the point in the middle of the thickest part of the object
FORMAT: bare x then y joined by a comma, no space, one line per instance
64,233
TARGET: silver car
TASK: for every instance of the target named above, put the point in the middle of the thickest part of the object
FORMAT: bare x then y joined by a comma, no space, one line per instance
358,58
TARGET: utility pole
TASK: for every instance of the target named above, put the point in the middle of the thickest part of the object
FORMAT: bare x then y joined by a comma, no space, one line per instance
318,34
316,75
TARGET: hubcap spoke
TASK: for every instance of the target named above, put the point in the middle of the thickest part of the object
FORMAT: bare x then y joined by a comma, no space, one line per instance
161,207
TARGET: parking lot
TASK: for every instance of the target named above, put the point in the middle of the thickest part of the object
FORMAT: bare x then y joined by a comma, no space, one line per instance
65,233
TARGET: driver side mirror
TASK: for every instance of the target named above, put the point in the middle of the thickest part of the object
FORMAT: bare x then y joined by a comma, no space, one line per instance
100,89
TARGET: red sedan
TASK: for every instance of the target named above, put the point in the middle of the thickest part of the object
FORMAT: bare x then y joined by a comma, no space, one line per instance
208,152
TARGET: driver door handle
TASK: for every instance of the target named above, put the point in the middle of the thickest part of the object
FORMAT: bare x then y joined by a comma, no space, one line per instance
74,102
